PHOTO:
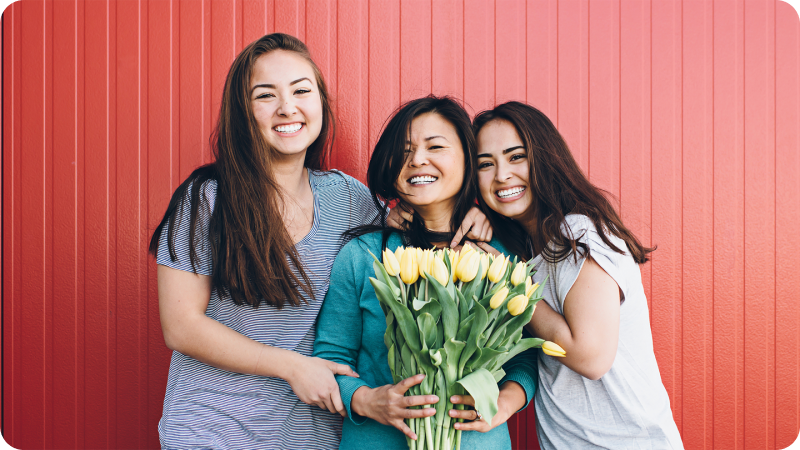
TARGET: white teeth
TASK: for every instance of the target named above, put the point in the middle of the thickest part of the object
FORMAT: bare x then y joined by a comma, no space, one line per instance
289,128
422,180
509,192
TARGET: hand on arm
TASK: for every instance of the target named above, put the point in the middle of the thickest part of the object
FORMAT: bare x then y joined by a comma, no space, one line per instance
512,398
589,329
388,405
183,299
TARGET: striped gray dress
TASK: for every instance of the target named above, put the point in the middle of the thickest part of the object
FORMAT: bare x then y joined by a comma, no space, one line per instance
206,407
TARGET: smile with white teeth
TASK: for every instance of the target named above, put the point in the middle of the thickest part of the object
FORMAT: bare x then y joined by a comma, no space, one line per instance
290,128
422,180
505,193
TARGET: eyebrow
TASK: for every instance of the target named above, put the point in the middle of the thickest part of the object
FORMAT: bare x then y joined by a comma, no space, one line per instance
506,151
430,138
272,86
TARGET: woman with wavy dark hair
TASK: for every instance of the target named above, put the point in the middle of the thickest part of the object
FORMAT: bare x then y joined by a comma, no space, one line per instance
425,157
607,391
245,250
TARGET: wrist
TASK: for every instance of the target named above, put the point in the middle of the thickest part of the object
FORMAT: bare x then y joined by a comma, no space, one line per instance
358,402
286,363
512,398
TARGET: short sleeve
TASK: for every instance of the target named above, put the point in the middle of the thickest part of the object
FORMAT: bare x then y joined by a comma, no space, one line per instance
181,242
566,272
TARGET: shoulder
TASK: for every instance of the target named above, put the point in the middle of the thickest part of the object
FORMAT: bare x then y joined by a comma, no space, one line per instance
583,230
335,180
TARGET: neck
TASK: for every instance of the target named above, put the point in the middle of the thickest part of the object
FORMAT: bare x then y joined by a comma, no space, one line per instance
436,217
290,174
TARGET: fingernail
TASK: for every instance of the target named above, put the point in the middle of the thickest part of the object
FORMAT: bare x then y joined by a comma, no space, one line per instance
413,436
433,399
454,399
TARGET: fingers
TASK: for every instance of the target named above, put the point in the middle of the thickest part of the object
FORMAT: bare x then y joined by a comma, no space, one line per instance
466,414
487,248
400,425
476,425
406,384
405,212
336,399
462,230
419,400
462,400
417,413
343,369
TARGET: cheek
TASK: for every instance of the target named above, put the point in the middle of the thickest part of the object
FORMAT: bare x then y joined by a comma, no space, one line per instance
262,114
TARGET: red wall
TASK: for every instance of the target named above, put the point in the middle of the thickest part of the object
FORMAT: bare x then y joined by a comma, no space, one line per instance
688,112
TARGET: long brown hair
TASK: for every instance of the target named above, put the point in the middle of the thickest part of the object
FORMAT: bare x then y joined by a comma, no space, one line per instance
247,236
558,187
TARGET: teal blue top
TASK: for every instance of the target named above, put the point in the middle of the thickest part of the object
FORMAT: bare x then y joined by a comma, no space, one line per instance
350,331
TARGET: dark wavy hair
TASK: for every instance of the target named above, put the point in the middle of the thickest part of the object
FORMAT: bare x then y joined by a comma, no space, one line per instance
389,157
558,187
247,236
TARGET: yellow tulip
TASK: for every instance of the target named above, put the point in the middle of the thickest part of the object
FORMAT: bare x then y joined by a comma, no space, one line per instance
519,273
468,267
497,269
530,288
517,304
484,265
498,298
439,271
553,349
426,263
398,253
390,262
409,270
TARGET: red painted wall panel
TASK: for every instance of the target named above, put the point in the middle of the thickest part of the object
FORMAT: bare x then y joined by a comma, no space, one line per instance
688,113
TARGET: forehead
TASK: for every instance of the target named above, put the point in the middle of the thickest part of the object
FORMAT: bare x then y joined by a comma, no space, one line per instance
432,124
281,67
496,136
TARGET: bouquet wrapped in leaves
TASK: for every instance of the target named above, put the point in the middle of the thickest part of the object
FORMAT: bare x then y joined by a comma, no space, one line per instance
456,317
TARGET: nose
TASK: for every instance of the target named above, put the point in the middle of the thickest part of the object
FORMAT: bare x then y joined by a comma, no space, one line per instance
503,173
287,108
418,158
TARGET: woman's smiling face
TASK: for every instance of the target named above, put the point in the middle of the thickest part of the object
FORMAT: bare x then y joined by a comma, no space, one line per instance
433,172
286,101
503,170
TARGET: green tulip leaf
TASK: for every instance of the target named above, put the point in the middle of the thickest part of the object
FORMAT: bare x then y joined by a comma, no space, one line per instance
449,309
463,306
482,386
405,321
391,358
519,347
478,325
418,304
453,349
499,374
488,359
496,338
427,330
464,328
433,308
380,271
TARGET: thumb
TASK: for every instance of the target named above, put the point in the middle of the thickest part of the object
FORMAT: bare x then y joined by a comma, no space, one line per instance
343,369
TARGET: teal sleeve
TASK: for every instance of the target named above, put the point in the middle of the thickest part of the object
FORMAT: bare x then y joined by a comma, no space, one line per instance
339,325
524,369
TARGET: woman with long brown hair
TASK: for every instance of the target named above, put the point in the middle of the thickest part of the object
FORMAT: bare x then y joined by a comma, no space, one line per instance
244,252
607,391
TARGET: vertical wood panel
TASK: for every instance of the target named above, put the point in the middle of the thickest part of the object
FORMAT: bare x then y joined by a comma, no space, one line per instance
509,51
447,47
728,225
603,168
542,56
384,65
666,197
697,221
635,124
759,223
478,55
65,246
573,77
415,49
787,218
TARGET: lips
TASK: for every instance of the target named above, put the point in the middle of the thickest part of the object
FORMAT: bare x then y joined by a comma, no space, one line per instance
510,192
289,128
422,180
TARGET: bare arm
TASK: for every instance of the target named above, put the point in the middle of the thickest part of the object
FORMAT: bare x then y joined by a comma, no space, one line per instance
182,301
589,329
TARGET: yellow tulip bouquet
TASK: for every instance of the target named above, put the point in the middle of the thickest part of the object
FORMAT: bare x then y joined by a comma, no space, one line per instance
457,317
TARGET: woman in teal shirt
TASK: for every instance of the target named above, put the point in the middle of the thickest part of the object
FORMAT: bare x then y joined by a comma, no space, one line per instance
426,158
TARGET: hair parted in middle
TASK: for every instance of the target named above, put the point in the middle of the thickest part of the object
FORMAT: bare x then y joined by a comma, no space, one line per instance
248,238
389,157
558,187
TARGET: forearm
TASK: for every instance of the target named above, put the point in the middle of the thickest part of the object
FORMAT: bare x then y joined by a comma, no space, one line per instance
512,398
582,353
215,344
